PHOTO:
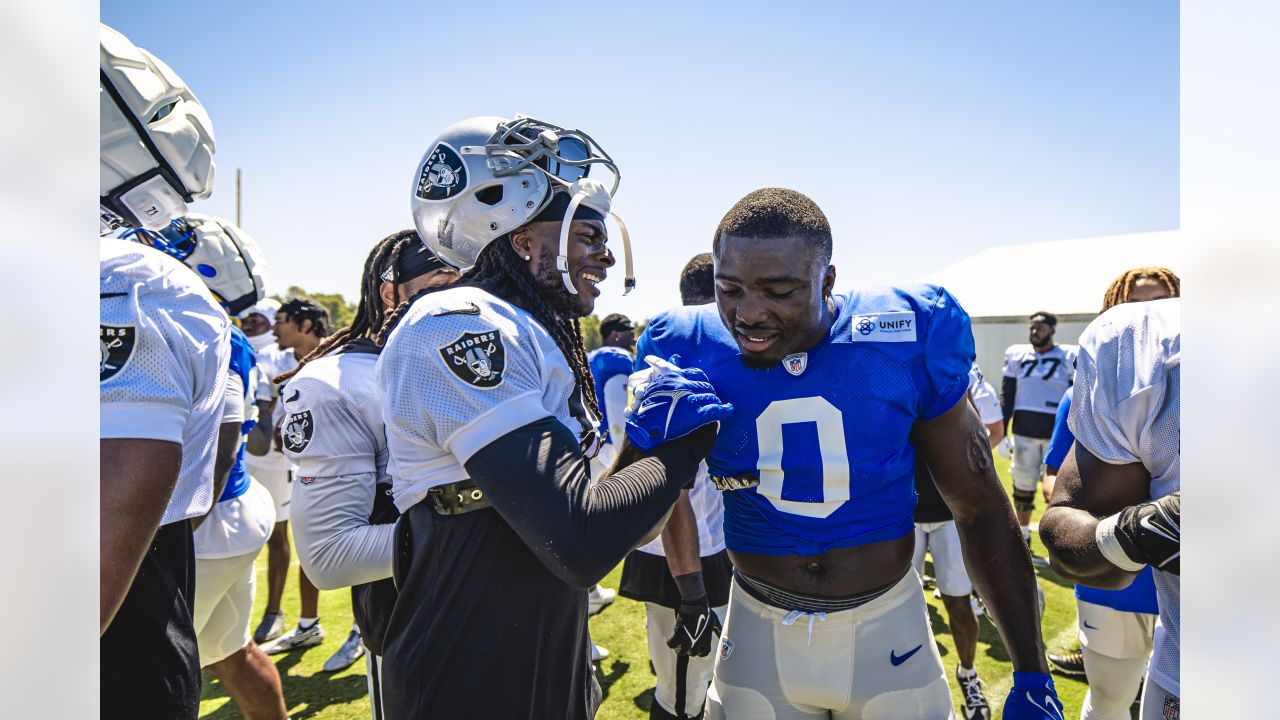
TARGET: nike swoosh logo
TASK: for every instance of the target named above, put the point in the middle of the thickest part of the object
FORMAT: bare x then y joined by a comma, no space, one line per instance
1050,710
675,396
296,395
899,659
104,296
472,310
1091,627
698,627
1145,522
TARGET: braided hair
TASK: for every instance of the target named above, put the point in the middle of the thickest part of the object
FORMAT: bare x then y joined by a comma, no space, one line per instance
1122,287
370,313
500,271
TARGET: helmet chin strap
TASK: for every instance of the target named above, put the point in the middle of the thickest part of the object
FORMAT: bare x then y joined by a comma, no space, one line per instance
596,197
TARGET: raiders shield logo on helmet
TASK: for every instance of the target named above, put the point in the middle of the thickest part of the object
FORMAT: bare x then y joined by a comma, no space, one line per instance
296,432
796,363
476,358
443,174
117,347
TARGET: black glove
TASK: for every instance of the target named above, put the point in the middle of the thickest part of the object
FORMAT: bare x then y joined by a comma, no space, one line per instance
1151,533
696,623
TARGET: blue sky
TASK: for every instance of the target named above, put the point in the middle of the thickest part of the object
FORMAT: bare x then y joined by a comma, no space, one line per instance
925,130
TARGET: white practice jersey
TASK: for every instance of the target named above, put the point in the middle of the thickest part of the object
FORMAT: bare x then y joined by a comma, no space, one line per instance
165,346
272,361
333,432
1126,408
462,369
984,397
708,508
1042,378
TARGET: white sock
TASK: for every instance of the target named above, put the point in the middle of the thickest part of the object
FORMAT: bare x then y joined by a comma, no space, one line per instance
306,623
355,628
1026,532
964,672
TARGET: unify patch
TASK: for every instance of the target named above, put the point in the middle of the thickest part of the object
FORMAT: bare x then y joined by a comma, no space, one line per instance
478,359
899,326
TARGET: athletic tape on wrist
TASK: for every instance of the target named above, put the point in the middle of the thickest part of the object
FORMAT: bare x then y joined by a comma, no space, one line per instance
1110,547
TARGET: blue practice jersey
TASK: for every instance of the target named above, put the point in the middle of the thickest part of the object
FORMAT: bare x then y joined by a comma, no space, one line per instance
1140,596
243,360
606,363
827,432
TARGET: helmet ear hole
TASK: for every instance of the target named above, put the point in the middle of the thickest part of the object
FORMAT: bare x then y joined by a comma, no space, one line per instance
490,195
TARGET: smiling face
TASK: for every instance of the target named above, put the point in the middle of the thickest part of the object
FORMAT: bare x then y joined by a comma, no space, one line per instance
771,293
589,260
289,334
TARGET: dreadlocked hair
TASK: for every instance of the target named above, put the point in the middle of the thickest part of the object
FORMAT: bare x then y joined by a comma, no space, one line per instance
370,314
1122,287
500,271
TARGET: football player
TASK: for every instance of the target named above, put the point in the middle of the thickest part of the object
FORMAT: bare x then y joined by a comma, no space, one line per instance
165,345
300,325
1035,376
689,582
833,396
491,416
1116,626
228,539
342,510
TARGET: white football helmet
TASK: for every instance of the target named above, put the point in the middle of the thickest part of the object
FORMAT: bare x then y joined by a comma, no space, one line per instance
226,257
486,176
156,139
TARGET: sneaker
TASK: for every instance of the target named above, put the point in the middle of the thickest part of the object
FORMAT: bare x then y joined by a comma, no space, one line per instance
1069,663
975,701
271,627
352,650
979,607
296,639
599,598
598,652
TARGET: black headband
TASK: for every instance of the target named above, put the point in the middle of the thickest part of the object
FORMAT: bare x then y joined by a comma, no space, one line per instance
1051,322
559,205
416,261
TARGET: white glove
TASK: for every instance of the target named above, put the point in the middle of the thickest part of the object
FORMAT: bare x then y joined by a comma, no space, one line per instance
640,379
1005,448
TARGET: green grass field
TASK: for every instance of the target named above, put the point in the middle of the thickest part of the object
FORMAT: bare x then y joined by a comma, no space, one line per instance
624,675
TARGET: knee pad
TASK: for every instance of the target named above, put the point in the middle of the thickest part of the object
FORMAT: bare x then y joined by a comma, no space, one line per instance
1024,499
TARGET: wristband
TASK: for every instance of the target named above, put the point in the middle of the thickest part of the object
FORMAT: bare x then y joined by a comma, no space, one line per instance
692,589
1110,547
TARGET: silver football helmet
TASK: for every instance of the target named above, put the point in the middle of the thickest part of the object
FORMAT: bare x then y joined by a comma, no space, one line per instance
156,138
225,257
486,176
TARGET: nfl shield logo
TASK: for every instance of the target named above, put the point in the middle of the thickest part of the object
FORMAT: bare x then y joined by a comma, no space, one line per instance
1171,708
726,648
795,364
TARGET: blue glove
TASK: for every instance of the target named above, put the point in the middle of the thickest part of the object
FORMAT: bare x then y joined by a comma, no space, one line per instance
1032,698
674,404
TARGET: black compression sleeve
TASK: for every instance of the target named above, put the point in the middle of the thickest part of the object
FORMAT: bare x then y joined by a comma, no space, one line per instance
1008,393
536,477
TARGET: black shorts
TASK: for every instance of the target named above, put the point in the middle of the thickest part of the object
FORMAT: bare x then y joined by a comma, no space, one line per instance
646,578
481,629
150,665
